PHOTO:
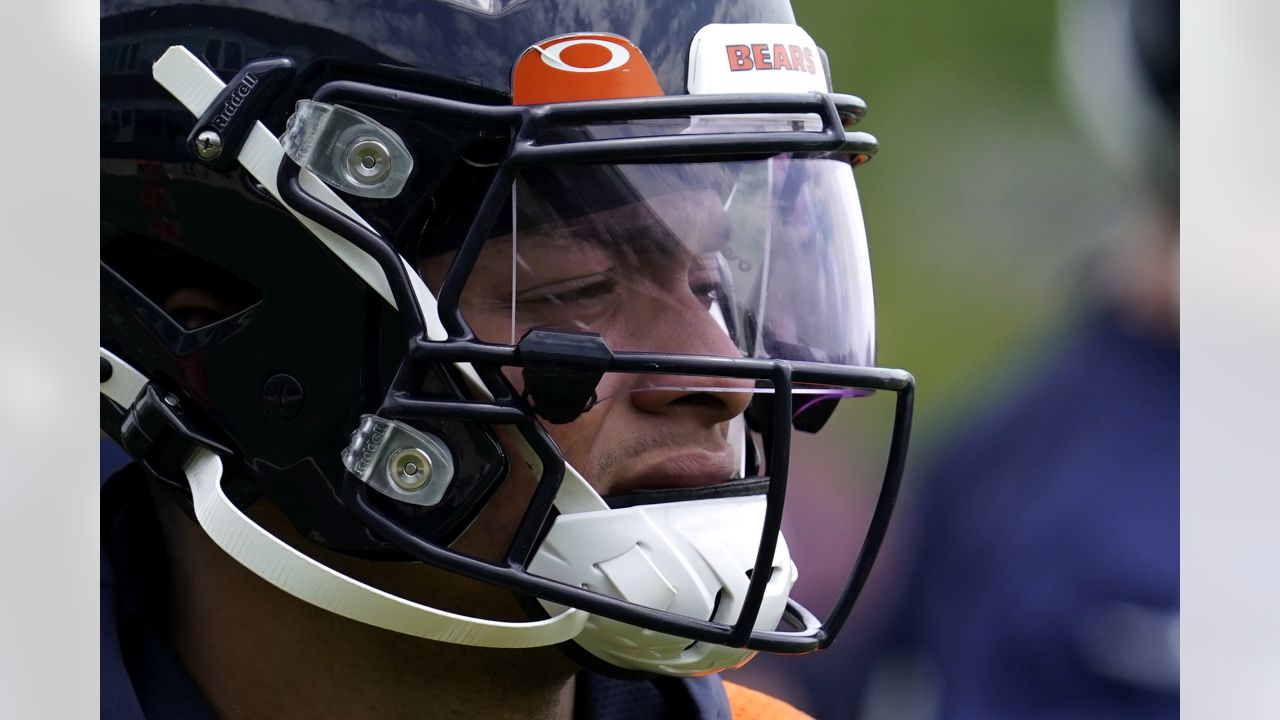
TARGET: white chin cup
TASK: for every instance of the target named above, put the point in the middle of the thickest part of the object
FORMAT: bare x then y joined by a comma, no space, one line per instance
689,558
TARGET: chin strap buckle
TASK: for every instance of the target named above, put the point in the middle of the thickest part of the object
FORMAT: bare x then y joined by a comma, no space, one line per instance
157,433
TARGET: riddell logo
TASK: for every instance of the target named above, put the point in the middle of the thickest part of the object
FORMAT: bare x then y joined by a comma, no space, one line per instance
761,56
234,101
582,66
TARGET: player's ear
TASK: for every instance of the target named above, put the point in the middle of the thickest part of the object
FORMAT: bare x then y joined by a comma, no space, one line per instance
192,291
195,308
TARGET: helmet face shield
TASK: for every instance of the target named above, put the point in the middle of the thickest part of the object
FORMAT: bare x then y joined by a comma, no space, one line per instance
761,258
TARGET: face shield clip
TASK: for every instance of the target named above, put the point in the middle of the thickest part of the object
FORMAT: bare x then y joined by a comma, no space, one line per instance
561,371
809,417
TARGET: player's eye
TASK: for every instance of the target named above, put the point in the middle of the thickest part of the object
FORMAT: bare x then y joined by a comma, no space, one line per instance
567,293
704,280
706,292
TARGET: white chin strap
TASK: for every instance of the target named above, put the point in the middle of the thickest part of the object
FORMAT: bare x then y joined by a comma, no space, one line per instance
308,580
689,558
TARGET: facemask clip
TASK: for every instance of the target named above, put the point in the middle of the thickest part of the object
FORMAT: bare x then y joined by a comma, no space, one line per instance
348,150
399,461
561,371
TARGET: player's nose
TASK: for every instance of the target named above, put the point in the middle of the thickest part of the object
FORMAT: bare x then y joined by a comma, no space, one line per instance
682,325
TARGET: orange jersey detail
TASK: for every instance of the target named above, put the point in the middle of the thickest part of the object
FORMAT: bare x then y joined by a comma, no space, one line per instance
582,66
748,704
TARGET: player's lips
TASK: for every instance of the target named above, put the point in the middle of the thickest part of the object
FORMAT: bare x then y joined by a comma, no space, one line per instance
679,468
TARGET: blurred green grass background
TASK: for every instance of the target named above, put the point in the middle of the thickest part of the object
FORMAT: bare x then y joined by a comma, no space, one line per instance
985,199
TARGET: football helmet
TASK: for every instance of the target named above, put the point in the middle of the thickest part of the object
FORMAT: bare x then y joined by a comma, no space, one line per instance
371,261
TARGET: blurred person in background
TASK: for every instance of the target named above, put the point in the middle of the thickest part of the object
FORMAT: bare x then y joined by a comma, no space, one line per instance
1045,579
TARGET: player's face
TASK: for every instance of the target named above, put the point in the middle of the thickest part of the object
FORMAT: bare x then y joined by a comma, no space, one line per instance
620,273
